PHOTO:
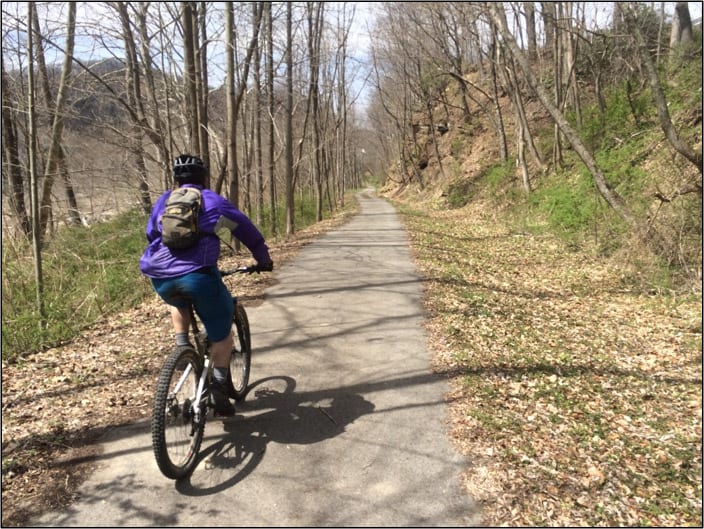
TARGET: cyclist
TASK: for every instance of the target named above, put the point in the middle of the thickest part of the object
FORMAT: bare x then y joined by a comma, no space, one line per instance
184,276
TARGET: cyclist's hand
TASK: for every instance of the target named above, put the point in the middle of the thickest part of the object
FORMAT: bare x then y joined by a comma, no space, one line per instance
265,267
259,267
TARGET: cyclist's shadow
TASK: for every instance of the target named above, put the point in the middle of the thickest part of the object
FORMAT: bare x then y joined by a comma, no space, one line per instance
274,413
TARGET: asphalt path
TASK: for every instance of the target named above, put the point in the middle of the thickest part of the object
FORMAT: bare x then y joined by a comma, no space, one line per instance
344,424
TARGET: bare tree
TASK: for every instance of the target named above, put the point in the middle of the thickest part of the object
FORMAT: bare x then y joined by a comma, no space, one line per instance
154,125
314,12
11,158
529,8
60,162
343,29
190,77
610,196
234,94
289,178
134,95
499,119
232,172
524,137
200,28
269,19
681,34
549,16
257,119
36,221
659,96
55,154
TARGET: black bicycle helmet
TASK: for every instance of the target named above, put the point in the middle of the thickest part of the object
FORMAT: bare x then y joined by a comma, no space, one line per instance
189,169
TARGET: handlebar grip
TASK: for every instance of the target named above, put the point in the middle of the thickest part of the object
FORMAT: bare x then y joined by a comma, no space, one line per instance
240,270
268,267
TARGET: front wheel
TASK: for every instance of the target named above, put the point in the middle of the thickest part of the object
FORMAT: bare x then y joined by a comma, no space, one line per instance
241,357
177,430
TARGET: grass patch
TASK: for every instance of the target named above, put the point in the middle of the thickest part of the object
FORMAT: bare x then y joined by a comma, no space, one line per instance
87,272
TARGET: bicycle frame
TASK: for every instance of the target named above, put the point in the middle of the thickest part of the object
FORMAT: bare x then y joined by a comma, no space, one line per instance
199,390
201,386
202,344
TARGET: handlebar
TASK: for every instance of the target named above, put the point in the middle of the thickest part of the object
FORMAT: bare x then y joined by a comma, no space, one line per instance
242,270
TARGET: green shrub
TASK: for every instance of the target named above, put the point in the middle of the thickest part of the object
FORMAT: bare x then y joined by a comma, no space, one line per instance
568,205
458,193
497,175
624,108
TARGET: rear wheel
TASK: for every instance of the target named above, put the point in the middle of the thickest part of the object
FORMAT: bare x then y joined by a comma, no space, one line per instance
241,358
177,430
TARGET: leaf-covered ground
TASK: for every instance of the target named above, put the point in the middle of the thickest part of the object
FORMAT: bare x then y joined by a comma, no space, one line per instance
577,400
57,403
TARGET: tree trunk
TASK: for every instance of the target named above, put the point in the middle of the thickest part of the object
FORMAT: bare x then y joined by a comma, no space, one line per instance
270,121
189,78
525,136
231,144
52,165
248,146
60,163
162,140
36,224
11,160
315,29
525,175
202,55
342,112
530,29
134,96
259,157
681,34
556,79
659,96
290,218
500,129
547,11
234,97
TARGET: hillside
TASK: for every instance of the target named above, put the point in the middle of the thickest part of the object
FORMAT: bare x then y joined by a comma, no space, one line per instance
640,163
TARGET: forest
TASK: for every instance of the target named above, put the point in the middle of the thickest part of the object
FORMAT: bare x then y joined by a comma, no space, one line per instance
566,136
292,104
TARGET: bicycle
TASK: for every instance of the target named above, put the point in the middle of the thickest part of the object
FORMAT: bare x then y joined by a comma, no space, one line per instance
183,392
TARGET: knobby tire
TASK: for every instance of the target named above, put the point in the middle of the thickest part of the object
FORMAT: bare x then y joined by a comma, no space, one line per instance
176,437
241,358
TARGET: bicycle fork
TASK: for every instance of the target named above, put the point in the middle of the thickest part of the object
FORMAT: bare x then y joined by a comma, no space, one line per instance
201,387
198,397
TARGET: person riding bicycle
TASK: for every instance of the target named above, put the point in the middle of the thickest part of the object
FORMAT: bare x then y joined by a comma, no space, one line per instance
190,275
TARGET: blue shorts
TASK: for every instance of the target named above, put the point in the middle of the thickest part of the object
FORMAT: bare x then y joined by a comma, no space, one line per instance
210,297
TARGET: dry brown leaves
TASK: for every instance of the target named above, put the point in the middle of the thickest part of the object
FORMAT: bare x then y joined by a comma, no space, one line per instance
56,403
577,400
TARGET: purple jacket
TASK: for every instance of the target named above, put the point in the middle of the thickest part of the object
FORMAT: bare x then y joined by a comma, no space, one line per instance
161,262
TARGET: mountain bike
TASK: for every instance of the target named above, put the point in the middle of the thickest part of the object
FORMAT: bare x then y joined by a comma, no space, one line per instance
183,393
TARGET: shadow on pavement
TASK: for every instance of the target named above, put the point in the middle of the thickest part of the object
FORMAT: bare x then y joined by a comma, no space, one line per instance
276,414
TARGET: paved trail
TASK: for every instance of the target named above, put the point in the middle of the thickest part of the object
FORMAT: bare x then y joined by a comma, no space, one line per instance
344,424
